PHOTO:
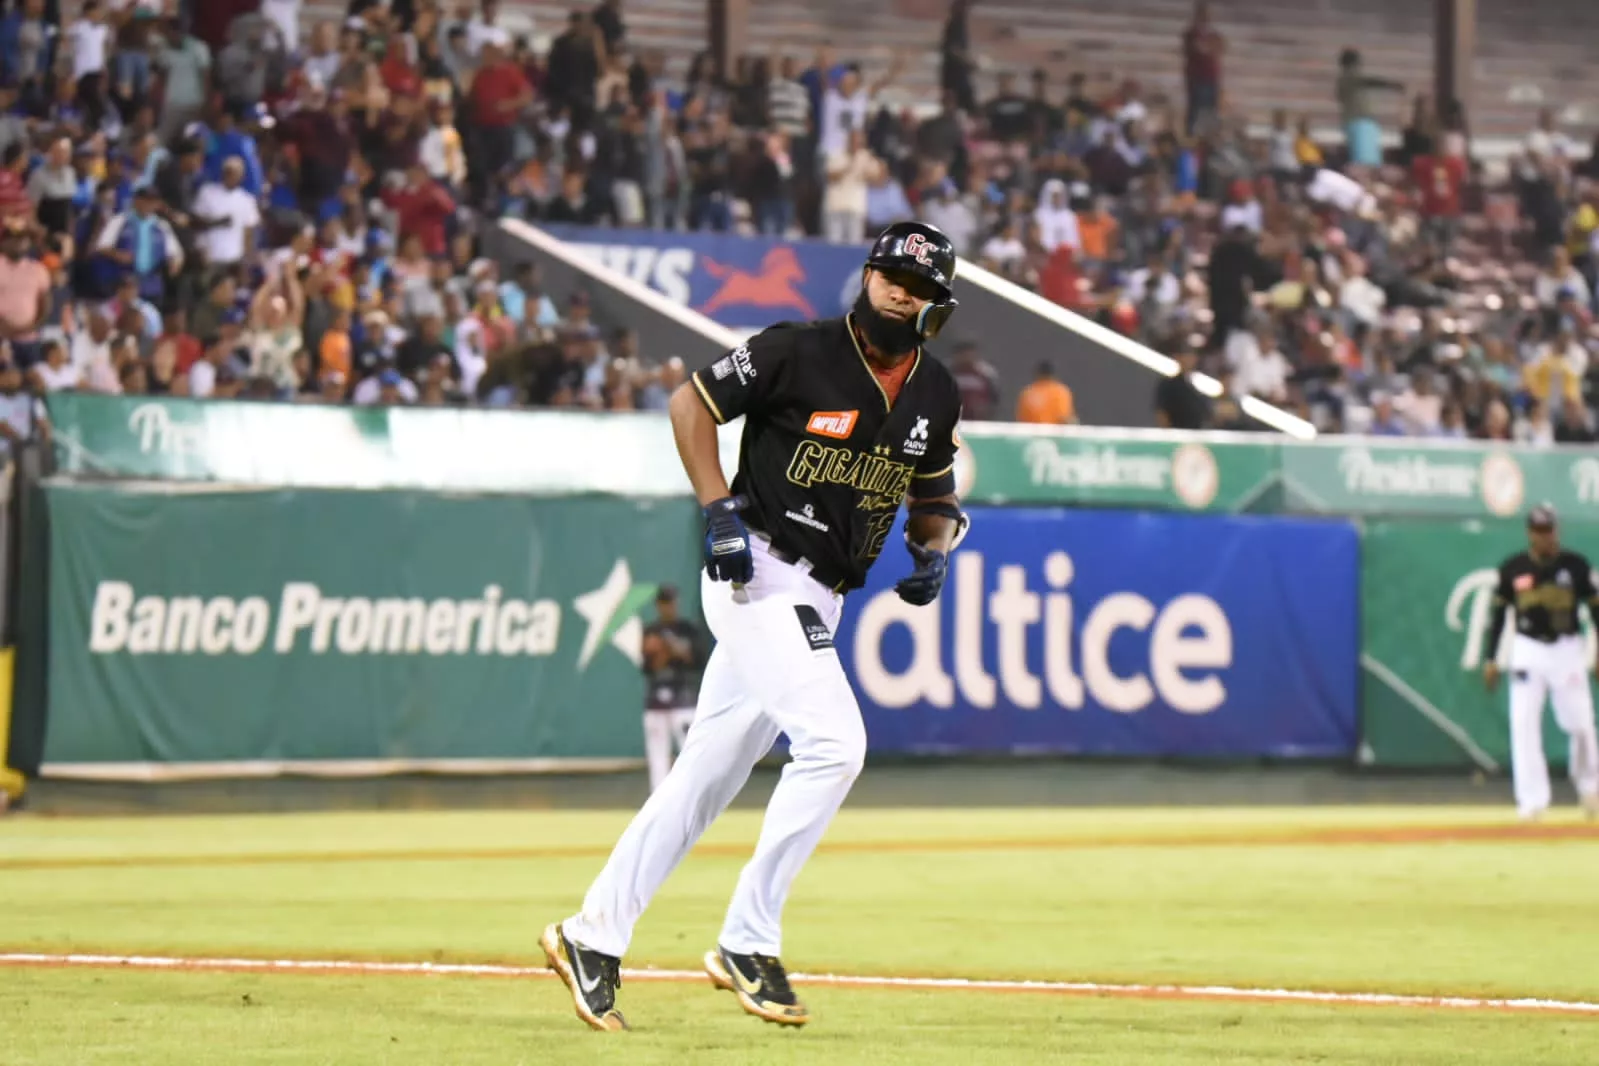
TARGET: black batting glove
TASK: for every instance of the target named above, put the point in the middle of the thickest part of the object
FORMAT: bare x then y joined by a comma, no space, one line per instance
727,541
925,582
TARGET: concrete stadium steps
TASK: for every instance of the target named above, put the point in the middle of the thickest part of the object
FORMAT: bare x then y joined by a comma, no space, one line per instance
1281,53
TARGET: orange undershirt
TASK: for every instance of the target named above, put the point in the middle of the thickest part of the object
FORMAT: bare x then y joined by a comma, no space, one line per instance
892,379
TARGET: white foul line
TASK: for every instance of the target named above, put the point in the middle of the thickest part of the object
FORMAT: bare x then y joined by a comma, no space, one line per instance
1082,988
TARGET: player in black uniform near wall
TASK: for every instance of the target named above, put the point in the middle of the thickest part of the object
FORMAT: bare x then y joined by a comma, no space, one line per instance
674,654
844,421
1546,584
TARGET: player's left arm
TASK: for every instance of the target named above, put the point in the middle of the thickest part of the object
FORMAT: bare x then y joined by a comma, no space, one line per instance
936,523
937,520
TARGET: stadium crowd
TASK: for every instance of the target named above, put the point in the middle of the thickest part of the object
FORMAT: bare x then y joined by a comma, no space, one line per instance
293,216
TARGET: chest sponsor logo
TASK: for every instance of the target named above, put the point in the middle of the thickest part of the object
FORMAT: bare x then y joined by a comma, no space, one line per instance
916,442
806,516
835,424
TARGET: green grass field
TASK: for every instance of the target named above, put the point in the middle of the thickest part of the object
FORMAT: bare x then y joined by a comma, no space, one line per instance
1423,901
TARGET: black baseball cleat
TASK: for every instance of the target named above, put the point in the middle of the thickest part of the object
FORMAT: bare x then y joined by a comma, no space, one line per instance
593,979
760,983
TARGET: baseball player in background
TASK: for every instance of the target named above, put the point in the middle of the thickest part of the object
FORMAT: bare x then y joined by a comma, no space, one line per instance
674,655
1546,584
845,420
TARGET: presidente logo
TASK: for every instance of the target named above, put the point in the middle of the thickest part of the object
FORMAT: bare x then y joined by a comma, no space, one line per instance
305,618
1496,479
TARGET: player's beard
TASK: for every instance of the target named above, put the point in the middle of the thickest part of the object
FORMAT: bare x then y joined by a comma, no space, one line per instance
885,333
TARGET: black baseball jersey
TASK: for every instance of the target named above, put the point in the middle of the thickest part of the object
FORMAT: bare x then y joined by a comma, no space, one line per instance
824,459
1545,594
676,682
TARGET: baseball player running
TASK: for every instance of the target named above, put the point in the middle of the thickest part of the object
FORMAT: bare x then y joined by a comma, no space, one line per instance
1545,584
844,420
673,657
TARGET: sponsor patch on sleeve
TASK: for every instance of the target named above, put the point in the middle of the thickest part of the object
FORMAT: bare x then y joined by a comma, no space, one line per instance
817,635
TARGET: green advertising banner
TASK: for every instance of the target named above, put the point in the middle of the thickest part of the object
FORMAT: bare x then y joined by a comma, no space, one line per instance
1000,464
1426,596
351,631
314,446
1377,476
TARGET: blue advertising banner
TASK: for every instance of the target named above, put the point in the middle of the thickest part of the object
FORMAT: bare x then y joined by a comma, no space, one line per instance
741,282
1117,633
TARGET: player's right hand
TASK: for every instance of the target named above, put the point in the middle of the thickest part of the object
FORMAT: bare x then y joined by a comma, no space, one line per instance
1490,676
727,542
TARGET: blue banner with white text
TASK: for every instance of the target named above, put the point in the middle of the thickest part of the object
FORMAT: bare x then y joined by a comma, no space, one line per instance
1117,633
740,282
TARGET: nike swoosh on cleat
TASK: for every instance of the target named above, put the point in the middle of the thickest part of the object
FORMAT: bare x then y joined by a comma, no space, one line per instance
750,988
583,981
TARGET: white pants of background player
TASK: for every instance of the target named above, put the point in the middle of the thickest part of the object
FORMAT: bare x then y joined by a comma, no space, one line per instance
665,730
762,678
1559,671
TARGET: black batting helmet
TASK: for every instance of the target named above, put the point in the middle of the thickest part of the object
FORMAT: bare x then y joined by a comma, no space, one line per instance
923,250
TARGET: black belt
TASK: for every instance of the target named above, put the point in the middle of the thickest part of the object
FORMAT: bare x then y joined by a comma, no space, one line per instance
1548,638
826,578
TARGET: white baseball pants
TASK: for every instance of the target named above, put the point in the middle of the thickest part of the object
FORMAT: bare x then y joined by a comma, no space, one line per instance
1560,672
664,732
770,672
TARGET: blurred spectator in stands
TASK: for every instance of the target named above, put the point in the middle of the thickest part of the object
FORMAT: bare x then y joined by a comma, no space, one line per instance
25,287
1537,428
788,105
1056,221
53,187
607,18
1155,293
141,243
499,93
1178,402
1280,153
846,105
1546,143
1260,368
276,311
886,202
844,202
54,371
1384,421
1203,48
1559,276
1420,407
771,183
1004,253
422,207
1046,400
709,157
1422,137
1440,179
952,213
1009,114
228,215
1575,425
1362,131
977,380
957,61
